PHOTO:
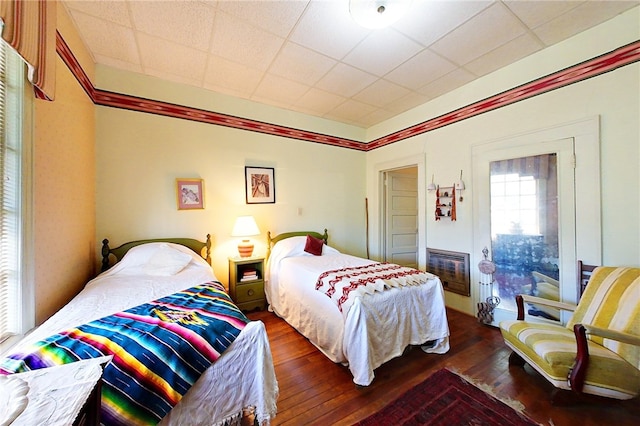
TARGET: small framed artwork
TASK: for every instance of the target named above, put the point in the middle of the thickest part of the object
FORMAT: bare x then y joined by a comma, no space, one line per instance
260,185
452,268
190,193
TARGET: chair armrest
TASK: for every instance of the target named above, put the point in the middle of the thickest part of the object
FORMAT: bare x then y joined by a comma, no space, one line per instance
612,334
521,298
579,370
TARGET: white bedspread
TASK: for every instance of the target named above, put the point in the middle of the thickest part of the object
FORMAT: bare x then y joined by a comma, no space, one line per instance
378,326
243,376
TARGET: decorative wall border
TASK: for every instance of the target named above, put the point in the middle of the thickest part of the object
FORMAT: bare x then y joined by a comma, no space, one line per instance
611,61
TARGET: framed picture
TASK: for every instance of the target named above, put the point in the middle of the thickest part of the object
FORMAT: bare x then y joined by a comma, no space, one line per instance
260,185
453,269
190,193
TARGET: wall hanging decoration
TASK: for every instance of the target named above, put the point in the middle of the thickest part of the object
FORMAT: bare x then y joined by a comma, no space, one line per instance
190,193
487,269
260,185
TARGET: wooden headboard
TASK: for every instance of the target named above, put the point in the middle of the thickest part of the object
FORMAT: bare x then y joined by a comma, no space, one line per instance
120,251
271,241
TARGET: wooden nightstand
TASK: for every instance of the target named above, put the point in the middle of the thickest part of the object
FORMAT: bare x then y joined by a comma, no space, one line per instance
246,282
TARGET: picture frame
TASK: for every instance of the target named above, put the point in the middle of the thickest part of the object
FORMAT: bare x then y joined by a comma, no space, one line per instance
260,185
190,193
452,268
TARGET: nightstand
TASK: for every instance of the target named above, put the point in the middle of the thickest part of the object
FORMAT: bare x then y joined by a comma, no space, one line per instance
246,282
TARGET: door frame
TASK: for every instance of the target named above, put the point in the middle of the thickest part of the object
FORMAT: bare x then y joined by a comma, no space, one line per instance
587,191
377,222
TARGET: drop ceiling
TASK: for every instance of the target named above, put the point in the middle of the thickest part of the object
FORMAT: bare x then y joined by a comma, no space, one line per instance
311,57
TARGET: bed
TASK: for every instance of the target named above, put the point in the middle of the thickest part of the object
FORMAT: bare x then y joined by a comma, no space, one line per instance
369,330
241,378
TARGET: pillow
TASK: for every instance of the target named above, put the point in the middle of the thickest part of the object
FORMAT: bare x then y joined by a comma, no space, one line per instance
293,246
166,261
314,245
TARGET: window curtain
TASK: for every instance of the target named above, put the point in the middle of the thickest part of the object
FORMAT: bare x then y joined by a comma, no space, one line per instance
30,28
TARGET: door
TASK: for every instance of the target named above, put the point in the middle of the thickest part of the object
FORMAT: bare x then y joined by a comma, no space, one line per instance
527,220
401,217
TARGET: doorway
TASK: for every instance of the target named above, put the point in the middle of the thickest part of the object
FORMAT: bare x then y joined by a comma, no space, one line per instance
400,221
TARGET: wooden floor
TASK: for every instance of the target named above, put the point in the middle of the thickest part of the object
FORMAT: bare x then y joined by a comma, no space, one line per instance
315,391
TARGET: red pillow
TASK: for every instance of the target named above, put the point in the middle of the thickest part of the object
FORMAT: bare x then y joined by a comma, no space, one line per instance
313,245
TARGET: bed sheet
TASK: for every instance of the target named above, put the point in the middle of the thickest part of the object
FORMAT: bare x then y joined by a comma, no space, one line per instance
243,376
377,328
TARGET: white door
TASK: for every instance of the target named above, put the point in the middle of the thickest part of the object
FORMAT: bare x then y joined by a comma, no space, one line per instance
526,218
401,217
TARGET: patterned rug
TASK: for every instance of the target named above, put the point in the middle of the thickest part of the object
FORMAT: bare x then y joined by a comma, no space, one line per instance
446,399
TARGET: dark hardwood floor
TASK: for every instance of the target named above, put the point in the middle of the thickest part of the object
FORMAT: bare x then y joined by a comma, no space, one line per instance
315,391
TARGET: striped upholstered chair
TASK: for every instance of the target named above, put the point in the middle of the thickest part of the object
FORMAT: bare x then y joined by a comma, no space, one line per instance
598,351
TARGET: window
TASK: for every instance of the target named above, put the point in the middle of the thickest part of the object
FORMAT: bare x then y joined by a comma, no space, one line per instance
16,299
514,204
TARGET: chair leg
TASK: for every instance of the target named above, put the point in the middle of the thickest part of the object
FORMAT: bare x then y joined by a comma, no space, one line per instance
516,360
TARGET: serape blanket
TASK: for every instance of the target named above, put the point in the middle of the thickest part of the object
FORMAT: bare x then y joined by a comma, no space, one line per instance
159,350
344,285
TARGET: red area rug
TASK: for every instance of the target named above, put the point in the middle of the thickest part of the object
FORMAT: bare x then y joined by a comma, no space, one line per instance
446,399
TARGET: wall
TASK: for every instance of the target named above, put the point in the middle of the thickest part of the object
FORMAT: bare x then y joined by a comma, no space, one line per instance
64,185
139,156
613,97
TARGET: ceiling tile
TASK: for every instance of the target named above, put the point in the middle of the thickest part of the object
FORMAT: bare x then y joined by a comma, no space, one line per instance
581,18
504,55
280,89
412,100
345,80
381,93
350,111
241,42
112,11
183,22
427,21
277,17
327,27
426,66
231,78
165,56
536,13
382,51
107,39
480,35
118,64
375,117
319,101
298,63
447,83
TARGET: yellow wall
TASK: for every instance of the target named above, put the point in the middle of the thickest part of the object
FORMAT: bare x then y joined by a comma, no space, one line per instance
64,185
141,155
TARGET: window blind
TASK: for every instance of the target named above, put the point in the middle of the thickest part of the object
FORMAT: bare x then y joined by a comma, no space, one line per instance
11,80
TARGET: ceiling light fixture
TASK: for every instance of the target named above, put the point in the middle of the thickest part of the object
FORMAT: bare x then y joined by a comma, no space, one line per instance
377,13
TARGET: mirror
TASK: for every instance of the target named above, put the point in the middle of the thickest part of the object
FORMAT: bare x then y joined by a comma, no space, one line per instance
524,230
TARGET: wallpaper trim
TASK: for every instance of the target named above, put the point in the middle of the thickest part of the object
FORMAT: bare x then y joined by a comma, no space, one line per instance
599,65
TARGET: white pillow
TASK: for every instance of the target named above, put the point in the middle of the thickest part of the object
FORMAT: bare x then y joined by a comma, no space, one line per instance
294,246
166,261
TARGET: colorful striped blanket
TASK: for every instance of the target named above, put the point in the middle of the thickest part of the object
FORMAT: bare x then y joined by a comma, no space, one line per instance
344,285
159,350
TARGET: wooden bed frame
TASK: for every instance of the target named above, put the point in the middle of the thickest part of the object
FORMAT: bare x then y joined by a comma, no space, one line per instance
271,241
120,251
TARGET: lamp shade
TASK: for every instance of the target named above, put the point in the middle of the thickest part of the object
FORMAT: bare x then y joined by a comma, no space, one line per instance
245,226
377,13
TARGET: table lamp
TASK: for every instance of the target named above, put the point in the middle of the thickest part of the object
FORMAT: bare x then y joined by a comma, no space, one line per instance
245,226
